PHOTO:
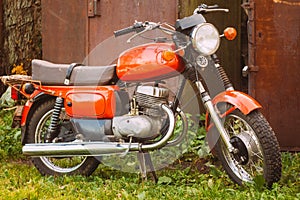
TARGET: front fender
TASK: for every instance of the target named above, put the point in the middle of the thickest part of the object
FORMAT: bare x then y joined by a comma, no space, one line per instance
238,100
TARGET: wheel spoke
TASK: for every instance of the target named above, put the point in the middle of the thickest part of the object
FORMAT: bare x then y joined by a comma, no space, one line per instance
258,155
60,165
237,127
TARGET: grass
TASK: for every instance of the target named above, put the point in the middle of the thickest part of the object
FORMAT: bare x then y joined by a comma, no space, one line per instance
189,178
20,180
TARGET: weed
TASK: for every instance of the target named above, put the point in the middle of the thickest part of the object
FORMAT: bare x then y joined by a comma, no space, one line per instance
10,145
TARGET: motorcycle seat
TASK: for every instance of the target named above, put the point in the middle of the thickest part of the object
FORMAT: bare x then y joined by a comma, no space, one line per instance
54,74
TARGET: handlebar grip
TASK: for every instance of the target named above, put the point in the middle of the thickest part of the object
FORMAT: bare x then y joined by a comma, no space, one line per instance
213,6
124,31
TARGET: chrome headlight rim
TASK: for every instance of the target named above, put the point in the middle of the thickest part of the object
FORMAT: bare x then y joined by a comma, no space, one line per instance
195,39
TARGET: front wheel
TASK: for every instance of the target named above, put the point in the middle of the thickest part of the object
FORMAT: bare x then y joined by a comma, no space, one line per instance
37,129
257,153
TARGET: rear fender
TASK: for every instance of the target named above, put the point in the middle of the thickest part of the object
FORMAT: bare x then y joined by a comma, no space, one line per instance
238,100
28,110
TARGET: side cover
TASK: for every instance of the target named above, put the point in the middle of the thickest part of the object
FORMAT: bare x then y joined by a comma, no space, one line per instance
98,103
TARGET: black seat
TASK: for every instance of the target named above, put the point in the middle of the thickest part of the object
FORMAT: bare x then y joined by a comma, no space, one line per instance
54,74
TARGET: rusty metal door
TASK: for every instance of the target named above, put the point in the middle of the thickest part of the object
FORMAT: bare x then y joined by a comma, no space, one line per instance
71,29
274,58
106,16
64,25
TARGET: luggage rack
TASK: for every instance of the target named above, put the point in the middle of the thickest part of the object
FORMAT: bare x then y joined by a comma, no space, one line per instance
14,81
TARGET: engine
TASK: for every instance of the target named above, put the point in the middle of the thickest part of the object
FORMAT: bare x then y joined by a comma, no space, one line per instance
145,118
149,99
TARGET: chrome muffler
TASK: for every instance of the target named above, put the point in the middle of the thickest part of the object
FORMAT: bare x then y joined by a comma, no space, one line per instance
97,148
76,149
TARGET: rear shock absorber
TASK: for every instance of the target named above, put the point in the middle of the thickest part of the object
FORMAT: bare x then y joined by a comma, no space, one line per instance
222,74
53,128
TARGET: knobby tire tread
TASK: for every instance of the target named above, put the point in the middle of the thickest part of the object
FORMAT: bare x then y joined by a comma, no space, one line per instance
269,145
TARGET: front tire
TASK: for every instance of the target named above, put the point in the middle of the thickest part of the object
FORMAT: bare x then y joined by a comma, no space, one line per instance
37,128
258,149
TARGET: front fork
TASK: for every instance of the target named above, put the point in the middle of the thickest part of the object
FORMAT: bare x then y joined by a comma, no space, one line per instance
214,116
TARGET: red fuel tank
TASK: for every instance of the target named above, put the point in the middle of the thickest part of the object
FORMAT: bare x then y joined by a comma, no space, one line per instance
147,63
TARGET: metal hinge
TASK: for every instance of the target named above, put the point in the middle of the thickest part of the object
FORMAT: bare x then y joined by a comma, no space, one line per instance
249,8
93,8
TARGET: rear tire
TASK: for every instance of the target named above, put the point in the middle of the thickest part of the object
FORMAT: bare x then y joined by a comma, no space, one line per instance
37,127
259,153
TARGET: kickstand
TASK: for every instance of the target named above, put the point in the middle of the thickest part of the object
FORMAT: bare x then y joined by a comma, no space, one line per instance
145,160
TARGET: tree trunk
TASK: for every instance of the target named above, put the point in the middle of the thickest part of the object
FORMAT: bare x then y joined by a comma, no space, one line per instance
1,38
20,37
22,32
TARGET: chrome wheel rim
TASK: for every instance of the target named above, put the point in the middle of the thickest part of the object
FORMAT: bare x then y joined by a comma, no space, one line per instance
254,166
58,165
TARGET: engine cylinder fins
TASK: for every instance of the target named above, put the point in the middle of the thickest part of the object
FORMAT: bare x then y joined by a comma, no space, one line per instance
150,98
153,91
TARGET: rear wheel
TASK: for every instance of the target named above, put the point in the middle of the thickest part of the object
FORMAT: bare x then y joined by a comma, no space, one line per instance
258,152
37,129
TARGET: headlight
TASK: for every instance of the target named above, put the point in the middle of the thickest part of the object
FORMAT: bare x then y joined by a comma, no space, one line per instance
206,39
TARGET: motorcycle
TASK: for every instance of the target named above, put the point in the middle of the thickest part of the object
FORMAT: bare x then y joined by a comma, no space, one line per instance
77,115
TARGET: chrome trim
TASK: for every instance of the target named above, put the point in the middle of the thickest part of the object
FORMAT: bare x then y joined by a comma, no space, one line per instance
194,42
153,91
183,134
76,149
165,139
96,148
220,127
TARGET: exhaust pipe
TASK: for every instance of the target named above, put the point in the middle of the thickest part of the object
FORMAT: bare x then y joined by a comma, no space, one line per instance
97,148
76,149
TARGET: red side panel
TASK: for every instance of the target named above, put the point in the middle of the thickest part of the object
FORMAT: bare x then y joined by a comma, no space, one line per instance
98,103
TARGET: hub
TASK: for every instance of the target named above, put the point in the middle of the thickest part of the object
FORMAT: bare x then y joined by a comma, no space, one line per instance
241,155
247,147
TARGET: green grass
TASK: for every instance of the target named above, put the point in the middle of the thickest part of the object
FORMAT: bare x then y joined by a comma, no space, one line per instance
189,178
10,145
20,180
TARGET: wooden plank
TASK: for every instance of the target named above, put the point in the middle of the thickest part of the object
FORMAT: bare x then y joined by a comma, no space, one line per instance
229,52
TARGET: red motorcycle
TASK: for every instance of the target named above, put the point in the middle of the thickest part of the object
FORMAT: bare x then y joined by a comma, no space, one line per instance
131,101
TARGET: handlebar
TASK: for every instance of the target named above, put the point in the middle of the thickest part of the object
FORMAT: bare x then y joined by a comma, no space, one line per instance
209,7
203,8
137,27
142,27
124,31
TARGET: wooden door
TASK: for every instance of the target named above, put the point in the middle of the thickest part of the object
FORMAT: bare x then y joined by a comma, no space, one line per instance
230,52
